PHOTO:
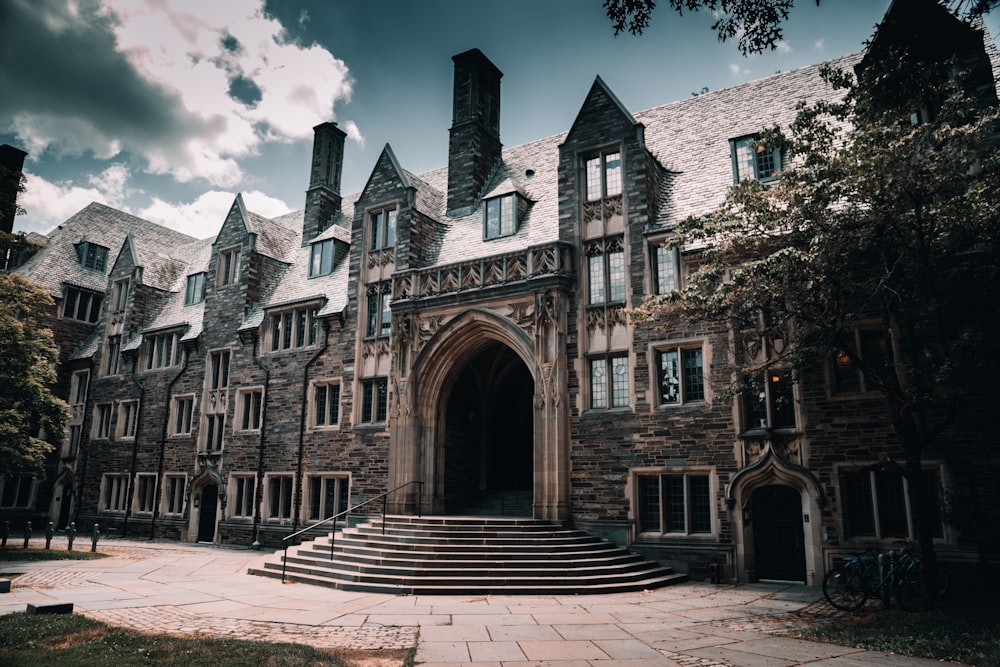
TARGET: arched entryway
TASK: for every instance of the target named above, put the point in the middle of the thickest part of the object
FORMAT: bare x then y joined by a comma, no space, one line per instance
778,533
207,509
488,435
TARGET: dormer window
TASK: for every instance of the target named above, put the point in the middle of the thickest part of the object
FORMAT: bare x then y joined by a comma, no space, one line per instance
752,161
500,216
604,176
382,229
228,271
92,256
321,258
195,292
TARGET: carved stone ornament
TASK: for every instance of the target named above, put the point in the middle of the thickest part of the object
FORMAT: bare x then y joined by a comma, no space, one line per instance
523,314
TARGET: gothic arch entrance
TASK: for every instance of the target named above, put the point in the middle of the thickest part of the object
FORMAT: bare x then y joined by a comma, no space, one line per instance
488,435
779,537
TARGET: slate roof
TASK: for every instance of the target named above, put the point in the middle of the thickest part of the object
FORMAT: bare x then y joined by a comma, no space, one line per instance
104,226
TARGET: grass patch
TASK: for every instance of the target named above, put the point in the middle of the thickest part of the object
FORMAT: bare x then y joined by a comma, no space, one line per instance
9,555
70,641
963,629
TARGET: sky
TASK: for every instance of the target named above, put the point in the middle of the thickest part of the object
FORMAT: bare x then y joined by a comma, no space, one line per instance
168,108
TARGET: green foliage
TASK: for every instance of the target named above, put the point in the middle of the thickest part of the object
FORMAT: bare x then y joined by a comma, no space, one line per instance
27,372
69,640
8,194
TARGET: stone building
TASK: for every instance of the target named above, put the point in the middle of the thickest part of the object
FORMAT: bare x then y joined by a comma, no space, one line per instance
464,328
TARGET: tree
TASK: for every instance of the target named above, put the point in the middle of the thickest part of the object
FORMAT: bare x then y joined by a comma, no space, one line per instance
888,212
29,412
755,23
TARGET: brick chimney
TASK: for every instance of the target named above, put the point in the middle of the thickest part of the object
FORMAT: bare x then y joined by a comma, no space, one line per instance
323,196
11,164
474,147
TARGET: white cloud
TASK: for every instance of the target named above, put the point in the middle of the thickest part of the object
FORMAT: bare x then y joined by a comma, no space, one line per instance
47,204
353,132
819,44
738,72
204,216
783,47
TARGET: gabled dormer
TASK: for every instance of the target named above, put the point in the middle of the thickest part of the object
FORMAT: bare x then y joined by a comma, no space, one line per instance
377,215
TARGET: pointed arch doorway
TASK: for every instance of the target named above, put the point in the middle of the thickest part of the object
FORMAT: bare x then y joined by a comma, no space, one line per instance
488,440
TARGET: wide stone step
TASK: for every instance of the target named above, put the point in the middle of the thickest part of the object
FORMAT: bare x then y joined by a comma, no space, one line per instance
457,555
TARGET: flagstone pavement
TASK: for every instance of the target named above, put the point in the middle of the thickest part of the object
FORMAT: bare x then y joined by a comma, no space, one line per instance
204,591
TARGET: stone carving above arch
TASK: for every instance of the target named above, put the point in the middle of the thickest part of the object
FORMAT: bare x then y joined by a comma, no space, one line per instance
523,313
772,467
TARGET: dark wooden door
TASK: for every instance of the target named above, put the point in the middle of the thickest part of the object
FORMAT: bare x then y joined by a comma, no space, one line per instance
779,537
206,519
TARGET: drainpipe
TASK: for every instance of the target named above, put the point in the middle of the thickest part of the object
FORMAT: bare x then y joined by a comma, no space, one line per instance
163,446
135,444
297,492
259,493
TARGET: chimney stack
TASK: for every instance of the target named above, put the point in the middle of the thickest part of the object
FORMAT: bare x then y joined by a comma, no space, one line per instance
474,146
323,196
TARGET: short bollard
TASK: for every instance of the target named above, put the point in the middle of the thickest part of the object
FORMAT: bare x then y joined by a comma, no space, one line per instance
49,532
94,536
70,535
27,533
4,533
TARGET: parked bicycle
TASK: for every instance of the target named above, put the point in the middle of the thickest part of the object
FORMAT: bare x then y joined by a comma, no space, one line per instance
894,574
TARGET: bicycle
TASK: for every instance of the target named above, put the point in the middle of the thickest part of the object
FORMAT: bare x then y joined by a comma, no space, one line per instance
896,574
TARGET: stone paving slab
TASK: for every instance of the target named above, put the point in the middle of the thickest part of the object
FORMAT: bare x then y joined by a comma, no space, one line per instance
199,590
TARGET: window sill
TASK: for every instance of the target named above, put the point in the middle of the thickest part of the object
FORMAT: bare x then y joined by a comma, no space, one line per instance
597,413
763,432
335,427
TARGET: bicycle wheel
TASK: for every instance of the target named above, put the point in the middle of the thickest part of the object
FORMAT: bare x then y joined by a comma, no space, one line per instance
844,588
912,594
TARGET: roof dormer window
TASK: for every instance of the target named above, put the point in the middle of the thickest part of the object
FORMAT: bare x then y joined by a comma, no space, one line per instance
752,161
92,256
195,291
500,217
321,258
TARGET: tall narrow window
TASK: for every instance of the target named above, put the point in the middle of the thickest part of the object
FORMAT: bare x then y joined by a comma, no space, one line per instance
374,400
279,497
606,272
326,404
250,403
379,311
173,494
609,387
195,290
181,409
215,426
102,421
770,401
128,418
604,176
228,272
218,369
114,493
667,269
501,216
321,258
119,295
382,229
78,387
242,500
16,491
145,493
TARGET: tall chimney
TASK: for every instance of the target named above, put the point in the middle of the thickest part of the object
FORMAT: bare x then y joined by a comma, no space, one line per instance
11,164
323,196
474,146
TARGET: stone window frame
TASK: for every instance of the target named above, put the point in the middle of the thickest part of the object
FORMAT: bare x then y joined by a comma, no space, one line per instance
766,164
378,310
608,361
321,258
599,173
101,427
18,491
862,335
667,269
277,504
331,418
144,501
369,408
228,270
181,414
505,221
680,347
381,225
341,495
78,385
877,501
162,351
249,416
71,445
291,328
194,288
174,495
114,493
128,419
242,502
111,361
119,295
73,303
708,485
611,273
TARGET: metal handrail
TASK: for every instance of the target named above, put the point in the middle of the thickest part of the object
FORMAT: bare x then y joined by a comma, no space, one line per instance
383,496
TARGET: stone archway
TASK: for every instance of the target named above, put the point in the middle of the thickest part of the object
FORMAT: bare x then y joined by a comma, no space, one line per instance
462,346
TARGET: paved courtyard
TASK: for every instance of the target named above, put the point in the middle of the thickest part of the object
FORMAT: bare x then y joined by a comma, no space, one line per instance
201,590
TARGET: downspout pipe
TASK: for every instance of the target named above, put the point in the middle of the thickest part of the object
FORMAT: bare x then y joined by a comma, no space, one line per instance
259,493
297,496
163,446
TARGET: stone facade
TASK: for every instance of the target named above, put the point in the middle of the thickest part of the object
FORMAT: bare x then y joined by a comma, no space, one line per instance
461,336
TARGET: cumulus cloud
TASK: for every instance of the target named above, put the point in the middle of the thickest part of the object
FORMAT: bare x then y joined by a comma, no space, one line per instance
49,203
783,47
353,132
738,71
188,86
204,216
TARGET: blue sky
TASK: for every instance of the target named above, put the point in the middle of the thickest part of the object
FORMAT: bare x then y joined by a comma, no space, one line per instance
167,108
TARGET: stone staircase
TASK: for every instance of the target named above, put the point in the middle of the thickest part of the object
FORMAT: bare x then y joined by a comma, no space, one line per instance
467,556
